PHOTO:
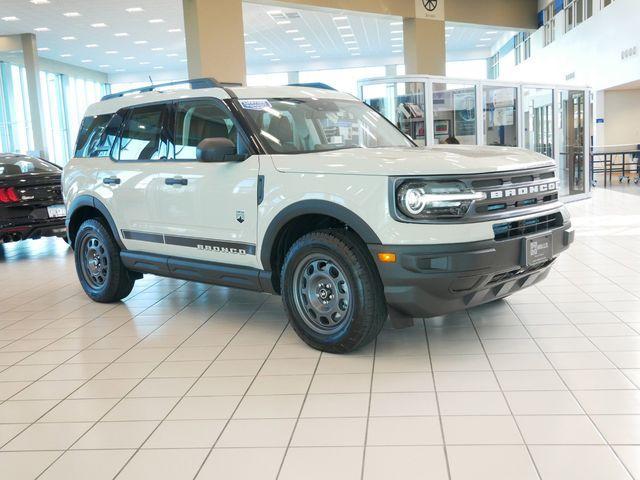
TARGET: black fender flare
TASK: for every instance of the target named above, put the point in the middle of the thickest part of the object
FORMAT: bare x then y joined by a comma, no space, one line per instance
91,201
313,207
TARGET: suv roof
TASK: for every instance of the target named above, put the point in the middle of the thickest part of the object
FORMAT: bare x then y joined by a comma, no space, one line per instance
199,88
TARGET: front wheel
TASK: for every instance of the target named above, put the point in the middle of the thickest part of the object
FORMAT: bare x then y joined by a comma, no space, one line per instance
101,273
332,291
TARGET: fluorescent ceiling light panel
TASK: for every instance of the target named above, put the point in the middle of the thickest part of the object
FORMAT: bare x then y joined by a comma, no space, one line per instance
347,35
344,27
141,42
41,29
395,23
145,63
339,19
176,30
260,49
283,22
275,59
71,14
292,30
449,28
121,34
66,55
10,19
491,32
40,2
129,58
44,49
156,20
269,54
158,68
299,39
157,49
172,54
69,38
485,39
134,9
305,45
104,66
87,61
111,52
92,45
98,25
396,32
251,42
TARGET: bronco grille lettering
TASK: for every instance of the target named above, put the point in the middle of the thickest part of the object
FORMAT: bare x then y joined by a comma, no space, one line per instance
513,192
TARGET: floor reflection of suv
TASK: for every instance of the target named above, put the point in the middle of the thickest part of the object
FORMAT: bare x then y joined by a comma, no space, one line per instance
307,193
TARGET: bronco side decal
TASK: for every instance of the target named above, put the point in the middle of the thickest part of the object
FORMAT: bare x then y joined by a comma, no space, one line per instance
214,246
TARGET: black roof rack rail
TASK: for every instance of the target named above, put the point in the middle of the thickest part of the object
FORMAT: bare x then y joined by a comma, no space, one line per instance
194,84
320,85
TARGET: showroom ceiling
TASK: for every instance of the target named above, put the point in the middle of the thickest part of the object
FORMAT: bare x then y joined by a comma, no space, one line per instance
147,35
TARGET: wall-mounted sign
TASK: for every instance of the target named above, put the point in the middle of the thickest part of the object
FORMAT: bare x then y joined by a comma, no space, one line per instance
430,9
629,52
599,120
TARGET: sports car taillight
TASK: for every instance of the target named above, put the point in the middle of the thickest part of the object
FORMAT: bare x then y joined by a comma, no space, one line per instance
9,195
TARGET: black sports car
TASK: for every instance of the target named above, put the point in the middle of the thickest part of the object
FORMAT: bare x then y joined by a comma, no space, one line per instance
31,204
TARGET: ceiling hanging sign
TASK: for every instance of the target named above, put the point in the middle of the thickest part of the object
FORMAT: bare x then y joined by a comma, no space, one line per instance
430,9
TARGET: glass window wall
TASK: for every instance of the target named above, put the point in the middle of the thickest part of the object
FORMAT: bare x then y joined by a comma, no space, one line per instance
500,116
538,120
571,142
454,113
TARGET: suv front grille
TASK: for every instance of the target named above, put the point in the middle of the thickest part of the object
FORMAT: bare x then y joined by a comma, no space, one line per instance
505,231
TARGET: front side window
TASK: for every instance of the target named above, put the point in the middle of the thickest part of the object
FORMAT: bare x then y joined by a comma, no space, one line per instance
199,119
295,125
142,135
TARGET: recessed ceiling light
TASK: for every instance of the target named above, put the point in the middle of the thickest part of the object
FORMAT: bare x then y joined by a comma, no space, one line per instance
44,49
41,29
92,45
293,30
175,30
40,2
10,19
140,42
156,20
98,25
87,61
71,14
111,52
69,38
121,34
134,9
129,58
157,49
65,55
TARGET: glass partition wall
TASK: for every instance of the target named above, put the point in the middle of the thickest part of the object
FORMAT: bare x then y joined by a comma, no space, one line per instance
547,119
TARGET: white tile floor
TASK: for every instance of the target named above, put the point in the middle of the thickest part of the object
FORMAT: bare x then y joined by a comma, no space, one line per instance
190,381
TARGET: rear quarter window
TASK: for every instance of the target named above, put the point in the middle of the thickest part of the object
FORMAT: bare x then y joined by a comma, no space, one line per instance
94,138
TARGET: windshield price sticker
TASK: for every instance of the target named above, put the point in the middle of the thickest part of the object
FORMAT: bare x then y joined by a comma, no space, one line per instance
255,104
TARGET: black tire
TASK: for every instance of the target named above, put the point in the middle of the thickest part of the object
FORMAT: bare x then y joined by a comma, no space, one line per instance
101,273
353,281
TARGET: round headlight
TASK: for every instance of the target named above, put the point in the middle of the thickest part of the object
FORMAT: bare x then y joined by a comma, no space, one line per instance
414,200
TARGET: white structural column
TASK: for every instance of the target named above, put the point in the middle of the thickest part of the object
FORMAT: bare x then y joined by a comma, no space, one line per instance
424,46
31,65
293,77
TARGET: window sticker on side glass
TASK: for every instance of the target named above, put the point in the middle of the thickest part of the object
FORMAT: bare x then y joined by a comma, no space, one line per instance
255,104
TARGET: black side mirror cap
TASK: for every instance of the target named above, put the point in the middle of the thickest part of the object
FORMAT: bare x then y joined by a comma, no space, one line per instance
218,149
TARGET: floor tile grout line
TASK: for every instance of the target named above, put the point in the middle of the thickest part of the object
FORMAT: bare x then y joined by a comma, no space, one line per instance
86,381
109,364
193,383
297,419
366,428
506,401
437,400
575,398
76,354
228,420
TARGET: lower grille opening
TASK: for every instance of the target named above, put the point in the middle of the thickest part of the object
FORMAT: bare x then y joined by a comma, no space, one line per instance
505,231
501,277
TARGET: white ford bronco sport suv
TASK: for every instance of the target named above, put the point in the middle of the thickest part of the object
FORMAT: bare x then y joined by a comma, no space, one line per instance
307,193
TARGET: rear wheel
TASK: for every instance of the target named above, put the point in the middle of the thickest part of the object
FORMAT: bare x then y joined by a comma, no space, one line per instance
332,291
102,275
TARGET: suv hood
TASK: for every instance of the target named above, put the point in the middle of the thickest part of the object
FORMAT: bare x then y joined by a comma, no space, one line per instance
437,160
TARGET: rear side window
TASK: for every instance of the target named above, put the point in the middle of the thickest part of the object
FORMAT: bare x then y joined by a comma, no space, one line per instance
142,135
197,120
93,139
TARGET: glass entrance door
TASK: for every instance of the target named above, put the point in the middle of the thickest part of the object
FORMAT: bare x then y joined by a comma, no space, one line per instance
571,162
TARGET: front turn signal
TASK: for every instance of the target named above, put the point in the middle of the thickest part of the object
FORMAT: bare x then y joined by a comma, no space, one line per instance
387,257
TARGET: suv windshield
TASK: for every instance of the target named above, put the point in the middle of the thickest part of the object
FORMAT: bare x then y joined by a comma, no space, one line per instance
19,164
294,125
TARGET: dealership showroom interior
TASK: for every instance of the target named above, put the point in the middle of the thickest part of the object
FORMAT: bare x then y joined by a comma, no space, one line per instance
320,239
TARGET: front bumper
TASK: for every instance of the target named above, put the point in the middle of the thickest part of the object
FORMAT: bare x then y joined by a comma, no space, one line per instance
431,280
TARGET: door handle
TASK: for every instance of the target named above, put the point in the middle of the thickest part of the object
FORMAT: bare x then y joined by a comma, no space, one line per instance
176,181
111,181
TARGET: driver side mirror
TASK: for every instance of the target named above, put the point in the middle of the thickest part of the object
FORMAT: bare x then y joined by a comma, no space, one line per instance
218,150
